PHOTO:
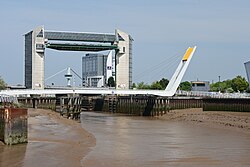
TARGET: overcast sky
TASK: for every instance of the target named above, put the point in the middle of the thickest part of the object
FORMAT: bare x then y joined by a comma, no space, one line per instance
161,29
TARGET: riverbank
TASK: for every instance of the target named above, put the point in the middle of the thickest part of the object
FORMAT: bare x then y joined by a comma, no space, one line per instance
147,141
238,121
56,141
52,141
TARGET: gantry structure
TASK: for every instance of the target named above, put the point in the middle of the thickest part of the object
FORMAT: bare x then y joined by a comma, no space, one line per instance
37,40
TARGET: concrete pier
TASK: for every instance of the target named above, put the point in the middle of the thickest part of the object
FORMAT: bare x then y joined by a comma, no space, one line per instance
13,126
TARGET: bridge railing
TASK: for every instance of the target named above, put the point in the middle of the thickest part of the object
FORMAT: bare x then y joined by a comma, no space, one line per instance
8,99
212,94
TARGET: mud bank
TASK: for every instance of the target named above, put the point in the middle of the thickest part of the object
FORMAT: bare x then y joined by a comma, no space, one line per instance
52,141
239,121
149,142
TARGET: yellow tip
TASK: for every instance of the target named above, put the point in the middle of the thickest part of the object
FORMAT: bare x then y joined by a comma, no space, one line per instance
187,54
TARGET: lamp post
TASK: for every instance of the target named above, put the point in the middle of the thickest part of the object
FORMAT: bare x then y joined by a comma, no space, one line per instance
219,84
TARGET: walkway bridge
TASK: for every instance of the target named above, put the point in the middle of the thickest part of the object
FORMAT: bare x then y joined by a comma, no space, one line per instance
107,39
168,92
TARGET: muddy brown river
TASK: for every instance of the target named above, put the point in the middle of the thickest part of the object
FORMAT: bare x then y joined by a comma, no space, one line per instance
139,141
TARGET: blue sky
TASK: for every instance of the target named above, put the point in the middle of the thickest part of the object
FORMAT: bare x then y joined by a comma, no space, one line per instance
160,28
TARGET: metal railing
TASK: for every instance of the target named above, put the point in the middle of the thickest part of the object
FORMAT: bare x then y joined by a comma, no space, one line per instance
212,94
8,99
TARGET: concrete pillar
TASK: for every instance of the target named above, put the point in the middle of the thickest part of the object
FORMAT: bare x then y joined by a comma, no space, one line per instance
124,60
34,58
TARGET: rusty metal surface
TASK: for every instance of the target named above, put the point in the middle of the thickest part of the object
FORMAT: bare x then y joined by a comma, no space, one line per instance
13,125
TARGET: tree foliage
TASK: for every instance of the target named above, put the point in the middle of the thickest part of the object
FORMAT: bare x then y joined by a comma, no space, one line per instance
142,85
134,86
164,83
221,86
186,86
248,90
238,83
2,84
111,82
157,85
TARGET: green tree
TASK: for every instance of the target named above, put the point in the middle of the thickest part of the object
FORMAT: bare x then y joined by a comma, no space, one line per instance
142,85
248,90
133,86
111,82
185,86
239,83
3,85
229,90
228,83
221,86
214,87
164,83
156,86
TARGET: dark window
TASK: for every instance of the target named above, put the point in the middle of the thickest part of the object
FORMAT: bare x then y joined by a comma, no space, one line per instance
40,34
200,84
39,46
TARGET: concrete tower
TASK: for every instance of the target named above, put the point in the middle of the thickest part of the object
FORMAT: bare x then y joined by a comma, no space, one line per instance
68,77
124,60
34,59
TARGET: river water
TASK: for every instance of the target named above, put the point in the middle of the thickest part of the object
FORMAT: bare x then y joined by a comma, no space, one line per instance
140,141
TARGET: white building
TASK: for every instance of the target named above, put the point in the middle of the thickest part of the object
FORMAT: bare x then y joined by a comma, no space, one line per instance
200,86
96,69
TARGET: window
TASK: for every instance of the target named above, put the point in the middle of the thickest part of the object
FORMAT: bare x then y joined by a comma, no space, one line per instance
200,84
40,34
39,46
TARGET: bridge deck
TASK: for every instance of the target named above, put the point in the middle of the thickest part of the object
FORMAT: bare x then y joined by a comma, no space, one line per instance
80,36
80,47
